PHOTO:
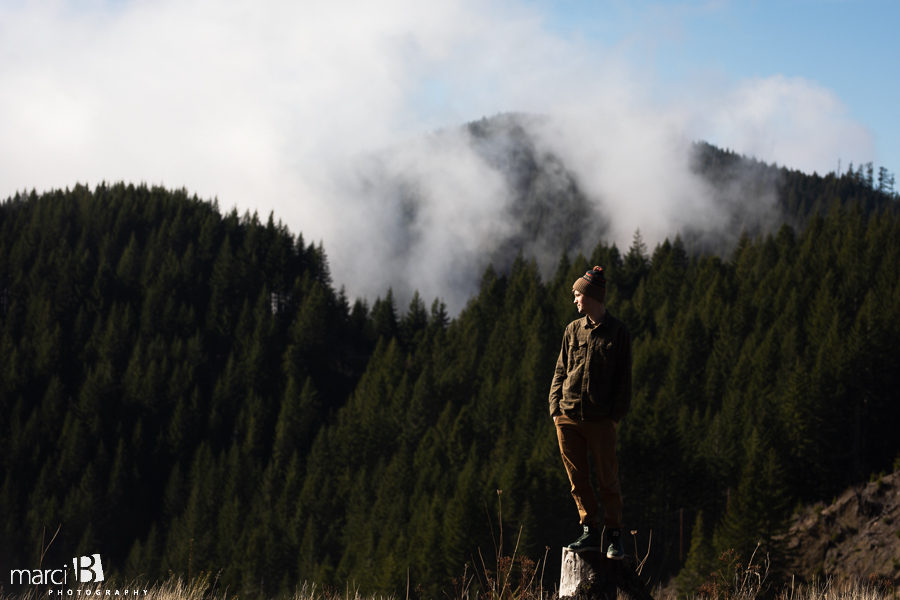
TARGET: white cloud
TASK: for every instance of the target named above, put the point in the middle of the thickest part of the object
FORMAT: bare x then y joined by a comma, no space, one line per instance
790,121
275,106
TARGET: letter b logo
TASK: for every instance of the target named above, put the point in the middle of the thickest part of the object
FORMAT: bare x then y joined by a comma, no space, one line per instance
88,569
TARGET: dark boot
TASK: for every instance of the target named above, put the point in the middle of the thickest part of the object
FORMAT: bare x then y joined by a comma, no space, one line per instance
615,550
589,540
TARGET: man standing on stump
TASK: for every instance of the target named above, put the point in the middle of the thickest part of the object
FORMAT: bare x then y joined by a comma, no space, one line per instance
590,393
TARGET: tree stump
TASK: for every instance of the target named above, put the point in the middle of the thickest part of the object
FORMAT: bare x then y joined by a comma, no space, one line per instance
592,576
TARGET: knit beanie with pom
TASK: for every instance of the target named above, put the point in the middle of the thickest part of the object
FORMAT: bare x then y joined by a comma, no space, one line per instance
592,283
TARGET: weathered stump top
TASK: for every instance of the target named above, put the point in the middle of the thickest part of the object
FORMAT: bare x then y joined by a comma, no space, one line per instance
591,576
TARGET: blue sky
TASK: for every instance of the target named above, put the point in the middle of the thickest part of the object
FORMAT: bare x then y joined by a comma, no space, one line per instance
850,47
346,76
295,108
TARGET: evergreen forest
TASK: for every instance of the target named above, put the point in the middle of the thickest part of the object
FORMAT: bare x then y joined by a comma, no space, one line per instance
186,390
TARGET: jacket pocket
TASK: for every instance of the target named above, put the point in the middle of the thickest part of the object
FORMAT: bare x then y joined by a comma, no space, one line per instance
575,373
576,356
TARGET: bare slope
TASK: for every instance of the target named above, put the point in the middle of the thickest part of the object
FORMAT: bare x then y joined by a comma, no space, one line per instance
857,536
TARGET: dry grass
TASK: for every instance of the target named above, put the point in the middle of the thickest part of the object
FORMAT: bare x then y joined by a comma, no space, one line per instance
875,588
510,577
174,588
748,587
203,587
751,581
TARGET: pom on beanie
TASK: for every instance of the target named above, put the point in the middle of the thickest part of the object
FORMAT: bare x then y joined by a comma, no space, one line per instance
592,283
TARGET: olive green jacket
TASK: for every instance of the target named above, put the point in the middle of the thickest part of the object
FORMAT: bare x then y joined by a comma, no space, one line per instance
592,380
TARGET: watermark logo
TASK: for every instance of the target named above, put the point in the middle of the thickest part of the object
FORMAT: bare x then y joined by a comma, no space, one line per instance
88,569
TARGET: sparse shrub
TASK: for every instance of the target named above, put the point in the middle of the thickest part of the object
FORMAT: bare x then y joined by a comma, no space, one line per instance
514,577
734,580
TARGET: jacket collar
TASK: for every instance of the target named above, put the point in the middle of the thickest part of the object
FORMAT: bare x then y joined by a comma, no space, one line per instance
588,324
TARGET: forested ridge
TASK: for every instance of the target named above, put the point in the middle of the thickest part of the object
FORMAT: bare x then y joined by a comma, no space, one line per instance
185,390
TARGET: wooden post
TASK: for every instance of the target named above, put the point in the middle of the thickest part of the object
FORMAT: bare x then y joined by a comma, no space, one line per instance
592,576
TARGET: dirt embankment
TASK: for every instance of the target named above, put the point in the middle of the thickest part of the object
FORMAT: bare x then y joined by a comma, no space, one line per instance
858,536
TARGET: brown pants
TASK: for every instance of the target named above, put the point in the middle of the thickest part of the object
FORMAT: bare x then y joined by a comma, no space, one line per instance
578,441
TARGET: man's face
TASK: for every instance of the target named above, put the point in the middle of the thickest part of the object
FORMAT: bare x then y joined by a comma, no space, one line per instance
579,301
586,304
